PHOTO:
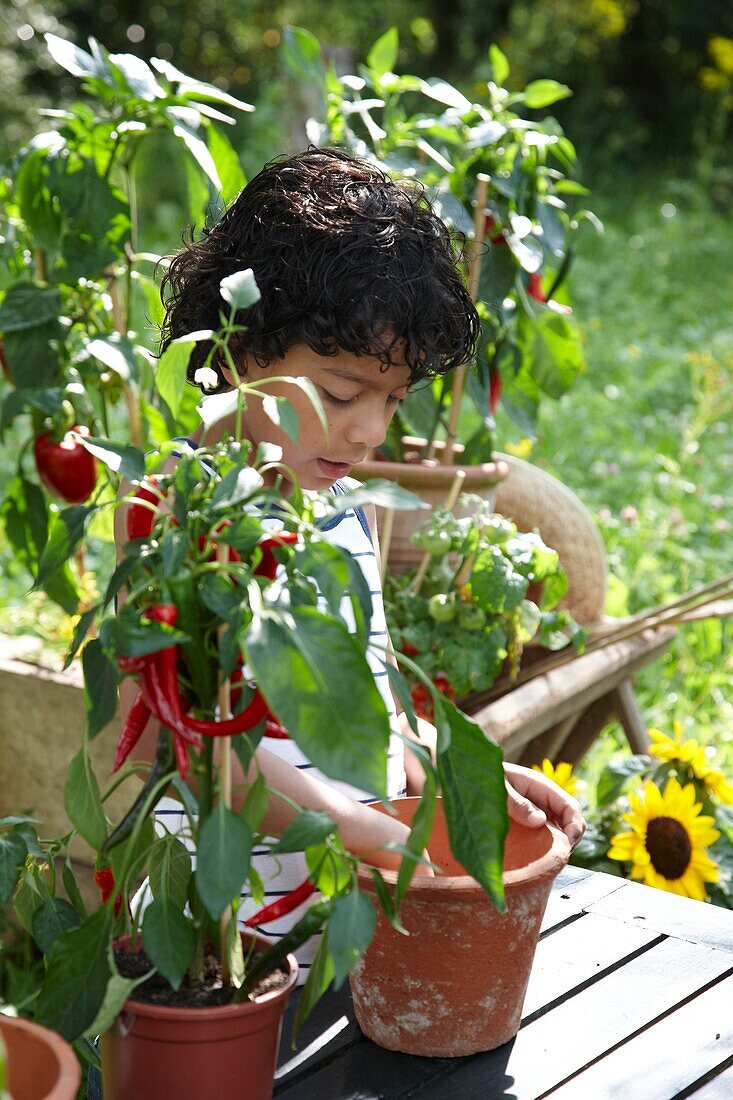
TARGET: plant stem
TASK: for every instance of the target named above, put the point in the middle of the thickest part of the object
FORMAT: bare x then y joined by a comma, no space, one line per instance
225,774
479,228
450,501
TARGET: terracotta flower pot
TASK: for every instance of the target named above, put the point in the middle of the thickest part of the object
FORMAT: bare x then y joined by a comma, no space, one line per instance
456,984
432,482
41,1065
188,1053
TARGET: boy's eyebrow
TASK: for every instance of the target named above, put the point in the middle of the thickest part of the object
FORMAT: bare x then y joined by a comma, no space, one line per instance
361,379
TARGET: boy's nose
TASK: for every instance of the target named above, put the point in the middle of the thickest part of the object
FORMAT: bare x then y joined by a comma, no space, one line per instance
368,428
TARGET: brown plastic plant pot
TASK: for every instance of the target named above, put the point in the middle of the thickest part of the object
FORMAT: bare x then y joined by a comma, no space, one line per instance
158,1051
456,984
41,1065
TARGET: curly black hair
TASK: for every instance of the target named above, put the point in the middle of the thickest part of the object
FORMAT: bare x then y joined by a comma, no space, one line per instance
344,257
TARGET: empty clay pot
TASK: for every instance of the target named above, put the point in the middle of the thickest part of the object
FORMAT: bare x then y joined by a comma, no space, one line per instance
456,984
41,1065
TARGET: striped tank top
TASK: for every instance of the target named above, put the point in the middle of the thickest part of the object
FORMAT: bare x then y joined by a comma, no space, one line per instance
280,875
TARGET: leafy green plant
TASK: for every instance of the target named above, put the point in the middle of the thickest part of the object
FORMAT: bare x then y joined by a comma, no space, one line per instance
485,591
224,578
530,343
72,273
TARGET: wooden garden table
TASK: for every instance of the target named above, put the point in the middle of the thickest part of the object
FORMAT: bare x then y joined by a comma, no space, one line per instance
631,997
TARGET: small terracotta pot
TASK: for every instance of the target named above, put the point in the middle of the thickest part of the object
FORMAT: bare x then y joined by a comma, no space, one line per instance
188,1053
456,984
432,482
41,1065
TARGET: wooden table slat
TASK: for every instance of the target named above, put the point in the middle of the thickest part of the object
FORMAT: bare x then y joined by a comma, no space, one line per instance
719,1087
584,1027
578,953
668,913
668,1057
576,889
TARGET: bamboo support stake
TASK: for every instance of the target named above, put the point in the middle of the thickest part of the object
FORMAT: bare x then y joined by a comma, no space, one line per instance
479,229
449,505
225,774
385,540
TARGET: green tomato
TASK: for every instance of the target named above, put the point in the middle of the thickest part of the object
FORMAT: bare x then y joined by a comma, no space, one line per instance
471,617
442,607
436,541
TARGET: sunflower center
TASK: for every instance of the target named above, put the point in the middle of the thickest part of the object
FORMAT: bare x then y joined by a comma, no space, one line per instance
669,847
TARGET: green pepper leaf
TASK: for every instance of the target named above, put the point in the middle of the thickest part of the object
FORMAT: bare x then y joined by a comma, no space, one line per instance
316,679
12,855
170,870
474,801
83,801
350,931
169,939
52,917
100,687
225,845
308,828
76,978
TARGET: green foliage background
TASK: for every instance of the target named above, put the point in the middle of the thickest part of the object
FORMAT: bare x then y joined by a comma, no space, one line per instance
644,436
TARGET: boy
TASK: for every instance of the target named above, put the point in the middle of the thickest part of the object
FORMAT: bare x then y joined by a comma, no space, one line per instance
360,294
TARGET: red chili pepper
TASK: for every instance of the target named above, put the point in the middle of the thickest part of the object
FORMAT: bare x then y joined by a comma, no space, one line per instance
65,466
275,729
140,520
495,387
282,906
534,288
491,224
131,665
268,566
233,554
132,731
105,881
160,683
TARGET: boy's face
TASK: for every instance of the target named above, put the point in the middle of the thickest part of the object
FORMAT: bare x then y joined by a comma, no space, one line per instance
359,397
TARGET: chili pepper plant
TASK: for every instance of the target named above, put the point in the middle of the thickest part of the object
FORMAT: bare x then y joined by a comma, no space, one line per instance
486,591
232,624
77,286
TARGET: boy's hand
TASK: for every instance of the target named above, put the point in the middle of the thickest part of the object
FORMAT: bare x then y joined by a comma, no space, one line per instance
535,799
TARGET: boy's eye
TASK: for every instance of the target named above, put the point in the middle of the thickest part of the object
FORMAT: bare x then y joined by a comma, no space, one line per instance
340,401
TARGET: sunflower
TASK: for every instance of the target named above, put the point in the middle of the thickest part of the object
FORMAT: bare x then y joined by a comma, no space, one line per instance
670,749
562,774
691,753
667,841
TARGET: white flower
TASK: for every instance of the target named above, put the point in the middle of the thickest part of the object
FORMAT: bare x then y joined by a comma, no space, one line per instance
240,289
207,378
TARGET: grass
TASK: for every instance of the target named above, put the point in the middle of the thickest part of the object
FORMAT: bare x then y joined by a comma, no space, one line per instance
644,437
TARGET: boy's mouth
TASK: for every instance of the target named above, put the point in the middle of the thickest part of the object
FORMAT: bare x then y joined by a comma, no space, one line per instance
334,469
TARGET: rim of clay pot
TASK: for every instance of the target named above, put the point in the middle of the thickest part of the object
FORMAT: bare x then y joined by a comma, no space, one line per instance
429,473
216,1012
547,865
69,1072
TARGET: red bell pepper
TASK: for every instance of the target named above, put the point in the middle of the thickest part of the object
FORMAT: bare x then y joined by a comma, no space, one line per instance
534,288
495,388
268,566
65,466
140,519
